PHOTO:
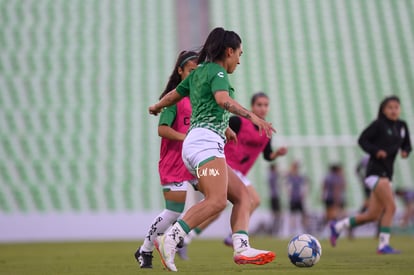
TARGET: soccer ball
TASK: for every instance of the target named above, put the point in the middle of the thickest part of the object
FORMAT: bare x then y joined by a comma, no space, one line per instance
304,250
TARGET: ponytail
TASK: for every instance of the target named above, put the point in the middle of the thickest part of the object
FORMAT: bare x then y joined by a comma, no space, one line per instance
175,77
216,44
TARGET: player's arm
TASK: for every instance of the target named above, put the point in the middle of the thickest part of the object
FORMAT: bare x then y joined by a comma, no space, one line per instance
269,154
226,102
235,123
167,119
365,141
406,144
169,99
166,131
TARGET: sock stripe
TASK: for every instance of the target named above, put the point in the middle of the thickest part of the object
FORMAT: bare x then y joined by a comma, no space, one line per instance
241,232
184,226
385,229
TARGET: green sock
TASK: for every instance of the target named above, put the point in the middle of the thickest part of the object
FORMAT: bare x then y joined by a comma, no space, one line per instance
184,226
198,230
385,229
352,222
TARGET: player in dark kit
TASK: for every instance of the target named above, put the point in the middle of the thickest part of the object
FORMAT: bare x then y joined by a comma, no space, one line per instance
382,140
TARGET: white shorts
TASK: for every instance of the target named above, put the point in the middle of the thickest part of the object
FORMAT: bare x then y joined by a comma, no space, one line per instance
371,182
199,146
242,177
179,186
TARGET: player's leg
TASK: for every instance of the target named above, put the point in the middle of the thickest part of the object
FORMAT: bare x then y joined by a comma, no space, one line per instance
198,196
254,198
193,197
212,182
240,216
385,196
373,212
174,195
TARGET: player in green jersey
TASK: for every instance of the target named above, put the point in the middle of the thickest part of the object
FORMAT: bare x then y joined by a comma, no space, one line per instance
211,96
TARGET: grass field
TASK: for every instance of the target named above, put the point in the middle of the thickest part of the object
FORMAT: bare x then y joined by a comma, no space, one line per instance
206,257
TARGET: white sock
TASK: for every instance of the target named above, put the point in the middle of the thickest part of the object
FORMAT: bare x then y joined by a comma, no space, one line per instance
384,239
189,237
240,242
158,226
176,233
342,224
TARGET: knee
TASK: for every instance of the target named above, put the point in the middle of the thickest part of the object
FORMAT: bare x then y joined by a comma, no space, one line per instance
217,204
255,203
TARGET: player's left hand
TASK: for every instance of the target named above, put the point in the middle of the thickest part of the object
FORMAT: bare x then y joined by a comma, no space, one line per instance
231,135
154,109
282,151
404,154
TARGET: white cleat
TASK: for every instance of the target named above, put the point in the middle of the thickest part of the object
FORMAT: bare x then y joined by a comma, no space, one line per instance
167,250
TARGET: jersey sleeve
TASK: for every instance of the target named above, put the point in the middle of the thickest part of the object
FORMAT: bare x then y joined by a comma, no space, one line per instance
406,144
220,81
267,151
366,138
184,87
235,124
167,116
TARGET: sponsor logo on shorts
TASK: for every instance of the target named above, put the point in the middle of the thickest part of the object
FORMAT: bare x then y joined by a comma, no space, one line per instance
206,172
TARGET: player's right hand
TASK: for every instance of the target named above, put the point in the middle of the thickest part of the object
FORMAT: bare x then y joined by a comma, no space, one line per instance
381,154
154,110
264,126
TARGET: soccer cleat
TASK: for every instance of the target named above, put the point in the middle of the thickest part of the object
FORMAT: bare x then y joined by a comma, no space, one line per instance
334,235
254,256
167,250
144,258
388,250
182,252
228,241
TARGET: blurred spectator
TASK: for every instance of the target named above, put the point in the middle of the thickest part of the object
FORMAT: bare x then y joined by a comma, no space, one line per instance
297,188
361,172
273,180
407,197
333,194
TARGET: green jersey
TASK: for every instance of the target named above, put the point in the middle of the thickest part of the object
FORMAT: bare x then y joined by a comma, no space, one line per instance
201,85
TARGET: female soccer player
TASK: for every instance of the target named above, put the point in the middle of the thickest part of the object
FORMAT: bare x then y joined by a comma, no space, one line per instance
212,101
382,140
242,155
172,127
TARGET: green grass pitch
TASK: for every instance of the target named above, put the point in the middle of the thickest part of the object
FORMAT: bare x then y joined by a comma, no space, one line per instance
206,257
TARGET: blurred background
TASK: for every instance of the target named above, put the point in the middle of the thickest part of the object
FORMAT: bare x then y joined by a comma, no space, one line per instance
79,151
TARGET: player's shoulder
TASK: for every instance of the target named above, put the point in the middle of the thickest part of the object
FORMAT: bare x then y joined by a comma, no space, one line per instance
215,70
402,122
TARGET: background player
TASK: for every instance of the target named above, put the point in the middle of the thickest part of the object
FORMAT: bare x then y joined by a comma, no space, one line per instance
172,127
382,140
242,155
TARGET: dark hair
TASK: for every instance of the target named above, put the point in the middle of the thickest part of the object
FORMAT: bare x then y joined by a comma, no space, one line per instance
175,77
256,96
384,102
216,44
336,167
